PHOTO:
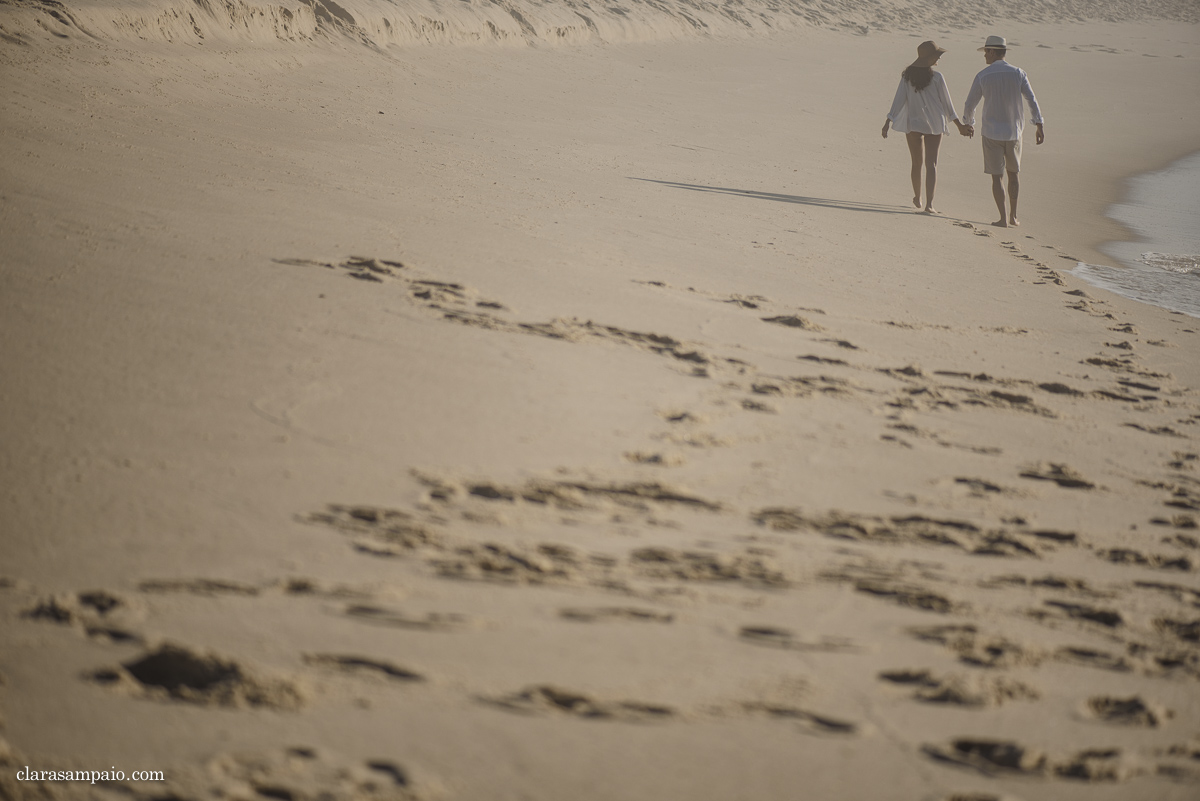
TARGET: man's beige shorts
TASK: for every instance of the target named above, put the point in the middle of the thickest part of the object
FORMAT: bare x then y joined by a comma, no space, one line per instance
999,156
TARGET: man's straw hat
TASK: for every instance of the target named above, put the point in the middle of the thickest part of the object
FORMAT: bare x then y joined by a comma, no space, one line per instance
927,54
994,43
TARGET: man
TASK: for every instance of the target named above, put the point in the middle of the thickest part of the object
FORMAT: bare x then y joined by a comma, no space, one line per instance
1001,87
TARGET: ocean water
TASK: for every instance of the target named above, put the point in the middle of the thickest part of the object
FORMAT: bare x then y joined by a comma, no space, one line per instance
1163,266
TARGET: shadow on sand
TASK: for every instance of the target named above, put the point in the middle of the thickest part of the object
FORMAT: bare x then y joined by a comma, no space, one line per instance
847,205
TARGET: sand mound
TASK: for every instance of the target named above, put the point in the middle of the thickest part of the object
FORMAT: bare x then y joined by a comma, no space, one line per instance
376,23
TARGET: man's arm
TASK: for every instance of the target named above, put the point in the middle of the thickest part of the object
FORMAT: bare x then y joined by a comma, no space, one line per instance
973,98
1027,91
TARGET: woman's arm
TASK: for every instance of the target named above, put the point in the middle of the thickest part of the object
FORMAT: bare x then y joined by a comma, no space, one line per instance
899,100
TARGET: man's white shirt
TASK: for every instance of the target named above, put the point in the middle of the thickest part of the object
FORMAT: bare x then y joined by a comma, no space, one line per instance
1001,86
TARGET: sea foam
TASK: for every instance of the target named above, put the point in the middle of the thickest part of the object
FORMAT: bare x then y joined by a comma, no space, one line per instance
1162,265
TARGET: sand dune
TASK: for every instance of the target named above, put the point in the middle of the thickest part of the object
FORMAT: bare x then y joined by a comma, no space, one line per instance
379,23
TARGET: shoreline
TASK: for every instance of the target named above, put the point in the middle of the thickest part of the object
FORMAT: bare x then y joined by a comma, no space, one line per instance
1157,263
1176,232
1130,235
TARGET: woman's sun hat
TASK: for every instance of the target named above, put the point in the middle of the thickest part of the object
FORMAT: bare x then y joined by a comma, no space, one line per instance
927,54
994,43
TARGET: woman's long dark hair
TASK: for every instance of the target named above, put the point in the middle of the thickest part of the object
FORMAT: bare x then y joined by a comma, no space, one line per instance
919,77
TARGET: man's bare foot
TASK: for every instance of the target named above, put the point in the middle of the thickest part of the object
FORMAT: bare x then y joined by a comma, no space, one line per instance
931,210
917,201
1001,223
1012,222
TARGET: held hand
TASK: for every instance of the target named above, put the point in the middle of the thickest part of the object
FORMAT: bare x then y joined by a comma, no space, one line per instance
886,125
1041,135
966,130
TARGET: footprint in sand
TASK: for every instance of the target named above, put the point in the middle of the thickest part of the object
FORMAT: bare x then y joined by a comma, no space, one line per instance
544,564
914,596
793,321
977,649
99,614
809,721
1090,657
751,405
1161,431
824,360
1057,583
548,699
1110,618
178,673
968,690
1130,556
1131,711
1186,630
380,532
1186,596
981,488
655,458
390,618
911,529
1061,474
299,773
606,614
360,666
584,494
706,566
1009,758
739,300
359,267
198,586
775,637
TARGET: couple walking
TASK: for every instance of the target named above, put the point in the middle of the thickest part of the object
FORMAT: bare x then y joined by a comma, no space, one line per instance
923,105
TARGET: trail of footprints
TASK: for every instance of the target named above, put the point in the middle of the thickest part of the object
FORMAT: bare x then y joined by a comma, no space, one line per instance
436,533
919,391
1167,648
435,536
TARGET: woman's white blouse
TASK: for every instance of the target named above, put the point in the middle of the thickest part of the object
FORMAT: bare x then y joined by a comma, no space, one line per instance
925,111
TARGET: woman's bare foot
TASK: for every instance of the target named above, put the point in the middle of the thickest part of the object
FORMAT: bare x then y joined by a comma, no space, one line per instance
931,210
1012,222
917,201
1001,223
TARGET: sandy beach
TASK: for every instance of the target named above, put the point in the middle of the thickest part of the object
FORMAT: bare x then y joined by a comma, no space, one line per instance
546,401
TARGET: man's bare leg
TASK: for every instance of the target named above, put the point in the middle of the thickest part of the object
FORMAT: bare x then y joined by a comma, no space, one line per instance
1014,186
914,151
998,196
932,144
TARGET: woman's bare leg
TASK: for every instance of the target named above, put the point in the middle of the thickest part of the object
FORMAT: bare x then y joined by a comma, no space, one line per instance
932,143
914,150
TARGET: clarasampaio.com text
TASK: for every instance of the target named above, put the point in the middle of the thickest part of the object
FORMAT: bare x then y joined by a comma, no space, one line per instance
27,774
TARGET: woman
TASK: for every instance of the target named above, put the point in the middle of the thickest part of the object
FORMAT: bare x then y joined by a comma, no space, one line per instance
920,110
